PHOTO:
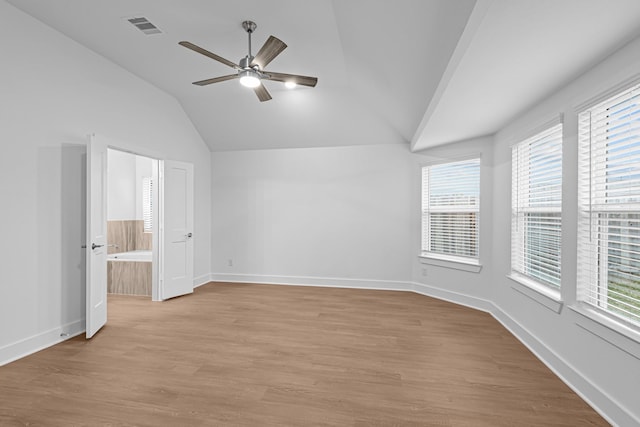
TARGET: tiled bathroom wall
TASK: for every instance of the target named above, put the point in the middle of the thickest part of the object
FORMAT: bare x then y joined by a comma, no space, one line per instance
127,236
128,277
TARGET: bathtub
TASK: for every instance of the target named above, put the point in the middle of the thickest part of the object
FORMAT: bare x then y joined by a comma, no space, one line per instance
129,273
139,256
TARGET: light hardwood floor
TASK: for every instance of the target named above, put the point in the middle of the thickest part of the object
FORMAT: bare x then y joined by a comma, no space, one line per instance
260,355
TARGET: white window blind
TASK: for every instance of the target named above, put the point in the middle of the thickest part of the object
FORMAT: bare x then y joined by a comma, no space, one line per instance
147,201
450,208
536,203
609,205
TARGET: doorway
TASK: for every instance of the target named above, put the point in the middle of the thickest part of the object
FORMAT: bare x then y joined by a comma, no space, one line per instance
131,189
172,225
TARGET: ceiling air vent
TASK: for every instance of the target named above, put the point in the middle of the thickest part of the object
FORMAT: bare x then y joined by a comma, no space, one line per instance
144,25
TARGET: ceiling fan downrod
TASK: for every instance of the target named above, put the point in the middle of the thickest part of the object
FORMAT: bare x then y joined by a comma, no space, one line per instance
250,69
249,27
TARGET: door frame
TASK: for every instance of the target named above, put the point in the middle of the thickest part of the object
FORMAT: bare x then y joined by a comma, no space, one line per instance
155,214
158,229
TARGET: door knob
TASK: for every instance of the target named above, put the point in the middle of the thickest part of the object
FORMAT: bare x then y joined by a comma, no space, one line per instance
189,235
93,246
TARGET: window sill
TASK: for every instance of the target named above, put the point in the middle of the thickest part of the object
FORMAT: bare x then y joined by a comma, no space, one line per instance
616,333
544,295
457,263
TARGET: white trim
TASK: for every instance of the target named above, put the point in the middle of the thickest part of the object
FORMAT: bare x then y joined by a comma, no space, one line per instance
538,292
606,327
542,125
450,296
471,265
156,203
426,209
201,280
331,282
40,341
606,94
116,144
454,159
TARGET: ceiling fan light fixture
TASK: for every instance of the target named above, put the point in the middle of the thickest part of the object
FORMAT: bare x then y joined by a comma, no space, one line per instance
249,78
250,70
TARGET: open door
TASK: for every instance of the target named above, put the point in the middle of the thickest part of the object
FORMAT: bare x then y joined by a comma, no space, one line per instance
96,235
176,236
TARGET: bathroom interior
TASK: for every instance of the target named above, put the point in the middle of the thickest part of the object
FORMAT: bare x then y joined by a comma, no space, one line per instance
129,223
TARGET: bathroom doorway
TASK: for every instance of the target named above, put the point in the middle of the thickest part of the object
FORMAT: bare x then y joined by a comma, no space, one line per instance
132,202
172,224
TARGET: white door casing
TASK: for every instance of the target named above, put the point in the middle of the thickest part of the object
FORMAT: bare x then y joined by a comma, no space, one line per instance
176,230
96,313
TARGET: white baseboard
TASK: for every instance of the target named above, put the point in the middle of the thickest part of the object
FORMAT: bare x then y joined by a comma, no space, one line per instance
312,281
613,412
454,297
35,343
601,402
604,404
201,280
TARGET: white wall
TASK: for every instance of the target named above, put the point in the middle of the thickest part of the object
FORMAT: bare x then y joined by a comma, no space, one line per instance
449,282
54,93
321,215
603,366
124,185
121,186
612,370
346,215
351,217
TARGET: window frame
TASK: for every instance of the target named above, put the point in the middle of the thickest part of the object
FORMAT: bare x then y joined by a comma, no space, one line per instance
588,269
455,261
523,203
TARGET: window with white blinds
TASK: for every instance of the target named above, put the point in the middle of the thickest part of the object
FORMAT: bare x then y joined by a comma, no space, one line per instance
147,201
536,203
609,206
450,208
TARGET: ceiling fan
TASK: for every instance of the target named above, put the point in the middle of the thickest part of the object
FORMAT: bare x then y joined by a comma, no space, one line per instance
251,70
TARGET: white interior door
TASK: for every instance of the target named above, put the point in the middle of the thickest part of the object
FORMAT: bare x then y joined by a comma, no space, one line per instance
176,233
96,235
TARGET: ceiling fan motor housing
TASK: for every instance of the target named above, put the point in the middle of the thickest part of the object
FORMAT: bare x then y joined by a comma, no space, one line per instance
245,63
250,68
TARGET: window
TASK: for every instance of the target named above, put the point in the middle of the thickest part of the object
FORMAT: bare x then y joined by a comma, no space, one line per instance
536,202
147,202
609,206
450,208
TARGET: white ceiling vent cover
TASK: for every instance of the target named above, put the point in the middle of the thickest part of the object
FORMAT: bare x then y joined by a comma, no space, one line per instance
144,25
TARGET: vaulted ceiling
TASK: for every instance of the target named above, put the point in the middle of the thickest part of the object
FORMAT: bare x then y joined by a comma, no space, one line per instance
424,72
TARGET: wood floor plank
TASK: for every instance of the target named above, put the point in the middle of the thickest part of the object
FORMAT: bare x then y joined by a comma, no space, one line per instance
263,355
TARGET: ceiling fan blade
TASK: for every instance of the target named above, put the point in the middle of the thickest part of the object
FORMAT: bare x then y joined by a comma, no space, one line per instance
262,92
299,80
216,80
269,50
211,55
